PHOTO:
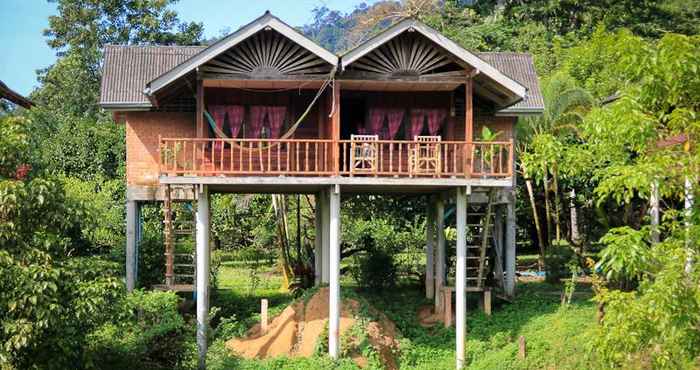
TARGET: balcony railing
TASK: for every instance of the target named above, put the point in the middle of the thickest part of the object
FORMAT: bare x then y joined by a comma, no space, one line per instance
321,157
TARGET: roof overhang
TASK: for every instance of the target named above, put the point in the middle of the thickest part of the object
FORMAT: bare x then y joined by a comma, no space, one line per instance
510,87
266,21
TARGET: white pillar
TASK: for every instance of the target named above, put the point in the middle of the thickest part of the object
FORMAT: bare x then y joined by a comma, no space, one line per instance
325,237
440,253
510,247
318,239
202,273
654,211
334,299
132,220
430,250
461,276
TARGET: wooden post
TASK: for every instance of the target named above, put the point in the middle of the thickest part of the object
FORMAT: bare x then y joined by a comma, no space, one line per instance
522,350
318,239
202,273
263,316
334,299
169,238
132,211
440,254
487,302
510,247
461,276
335,124
430,250
447,306
199,120
468,123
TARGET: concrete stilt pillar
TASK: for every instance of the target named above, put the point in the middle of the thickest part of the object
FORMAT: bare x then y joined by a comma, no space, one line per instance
202,273
325,237
334,299
510,248
440,252
430,250
318,239
461,277
132,224
498,237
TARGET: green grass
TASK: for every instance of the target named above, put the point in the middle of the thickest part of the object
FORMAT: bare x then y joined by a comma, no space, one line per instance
556,337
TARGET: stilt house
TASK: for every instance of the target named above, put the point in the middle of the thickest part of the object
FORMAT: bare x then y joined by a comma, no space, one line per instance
266,110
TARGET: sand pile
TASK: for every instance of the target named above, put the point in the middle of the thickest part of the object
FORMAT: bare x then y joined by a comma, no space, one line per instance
298,329
427,318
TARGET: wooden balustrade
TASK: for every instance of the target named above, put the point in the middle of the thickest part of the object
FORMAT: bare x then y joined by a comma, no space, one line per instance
315,157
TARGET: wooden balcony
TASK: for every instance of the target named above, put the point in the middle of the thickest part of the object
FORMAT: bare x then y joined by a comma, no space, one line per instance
325,157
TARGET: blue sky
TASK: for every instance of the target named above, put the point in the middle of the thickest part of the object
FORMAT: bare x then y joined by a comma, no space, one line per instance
25,50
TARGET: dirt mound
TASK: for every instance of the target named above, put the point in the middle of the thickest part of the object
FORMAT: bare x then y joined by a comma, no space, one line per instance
297,330
427,318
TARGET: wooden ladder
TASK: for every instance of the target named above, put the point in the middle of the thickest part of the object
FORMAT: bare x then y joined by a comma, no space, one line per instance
480,224
179,235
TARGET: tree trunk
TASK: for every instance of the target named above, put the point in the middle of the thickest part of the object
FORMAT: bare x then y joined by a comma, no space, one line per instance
547,208
536,217
557,201
575,236
278,205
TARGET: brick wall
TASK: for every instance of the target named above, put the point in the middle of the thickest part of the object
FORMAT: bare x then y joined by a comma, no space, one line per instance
142,130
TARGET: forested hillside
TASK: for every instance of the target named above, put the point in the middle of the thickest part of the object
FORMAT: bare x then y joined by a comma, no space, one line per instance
621,80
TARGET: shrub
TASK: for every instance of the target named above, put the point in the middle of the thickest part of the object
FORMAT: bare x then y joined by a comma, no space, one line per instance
375,270
556,261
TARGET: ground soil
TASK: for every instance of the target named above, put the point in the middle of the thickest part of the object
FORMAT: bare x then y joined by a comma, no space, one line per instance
297,330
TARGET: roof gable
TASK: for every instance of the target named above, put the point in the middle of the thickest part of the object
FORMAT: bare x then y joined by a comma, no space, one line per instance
462,55
265,22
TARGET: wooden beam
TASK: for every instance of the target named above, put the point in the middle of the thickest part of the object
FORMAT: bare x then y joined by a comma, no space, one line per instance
200,109
335,124
468,123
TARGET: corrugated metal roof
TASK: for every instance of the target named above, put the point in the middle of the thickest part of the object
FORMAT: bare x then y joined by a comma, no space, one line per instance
519,66
127,69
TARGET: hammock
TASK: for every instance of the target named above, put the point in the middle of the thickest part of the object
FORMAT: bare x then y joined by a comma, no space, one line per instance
222,135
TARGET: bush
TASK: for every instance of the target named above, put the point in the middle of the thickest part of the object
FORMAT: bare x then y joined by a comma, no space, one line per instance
148,333
375,270
556,260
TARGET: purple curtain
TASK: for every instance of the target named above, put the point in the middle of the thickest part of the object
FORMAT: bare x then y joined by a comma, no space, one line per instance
257,118
275,115
236,114
395,117
435,118
416,124
376,119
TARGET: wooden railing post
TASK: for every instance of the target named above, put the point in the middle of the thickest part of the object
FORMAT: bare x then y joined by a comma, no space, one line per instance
335,124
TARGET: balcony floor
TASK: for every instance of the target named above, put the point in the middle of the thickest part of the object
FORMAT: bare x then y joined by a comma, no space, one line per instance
364,184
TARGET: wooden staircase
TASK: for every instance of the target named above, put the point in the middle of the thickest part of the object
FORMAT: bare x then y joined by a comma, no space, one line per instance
179,236
480,243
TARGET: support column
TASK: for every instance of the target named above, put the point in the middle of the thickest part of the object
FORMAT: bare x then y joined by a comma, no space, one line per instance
461,276
440,253
325,238
334,299
132,220
202,273
318,239
430,250
498,237
510,247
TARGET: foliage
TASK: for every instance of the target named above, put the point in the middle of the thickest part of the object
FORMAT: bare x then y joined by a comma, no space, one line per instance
626,255
147,333
375,270
557,261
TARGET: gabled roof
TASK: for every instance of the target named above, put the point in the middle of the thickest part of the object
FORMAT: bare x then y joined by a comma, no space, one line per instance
127,70
519,67
14,97
450,46
266,21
